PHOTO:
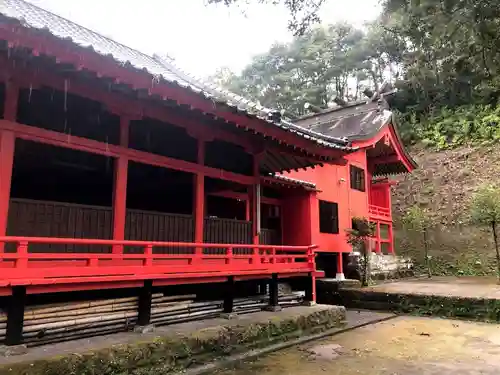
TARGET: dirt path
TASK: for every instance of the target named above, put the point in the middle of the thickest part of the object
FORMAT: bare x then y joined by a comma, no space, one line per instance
467,287
405,345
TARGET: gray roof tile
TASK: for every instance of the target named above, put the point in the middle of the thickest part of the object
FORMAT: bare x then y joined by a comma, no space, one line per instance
34,17
355,122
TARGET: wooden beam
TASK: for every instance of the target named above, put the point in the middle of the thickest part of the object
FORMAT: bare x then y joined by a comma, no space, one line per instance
384,160
35,134
244,197
117,103
104,67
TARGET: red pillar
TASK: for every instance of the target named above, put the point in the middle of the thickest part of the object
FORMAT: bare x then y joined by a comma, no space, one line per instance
391,239
340,267
7,144
199,198
120,188
391,233
256,200
248,208
378,247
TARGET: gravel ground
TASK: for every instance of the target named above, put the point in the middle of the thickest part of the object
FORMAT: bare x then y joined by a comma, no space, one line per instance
405,345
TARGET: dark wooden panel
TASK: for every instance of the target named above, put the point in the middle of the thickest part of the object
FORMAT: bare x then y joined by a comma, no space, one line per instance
56,219
227,231
269,237
158,226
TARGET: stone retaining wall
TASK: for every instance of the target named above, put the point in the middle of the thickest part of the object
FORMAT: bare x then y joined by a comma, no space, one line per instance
478,309
388,266
178,351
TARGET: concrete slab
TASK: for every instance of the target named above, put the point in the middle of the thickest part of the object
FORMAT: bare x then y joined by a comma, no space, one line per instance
182,329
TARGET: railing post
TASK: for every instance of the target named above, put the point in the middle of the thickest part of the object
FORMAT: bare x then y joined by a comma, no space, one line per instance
93,260
229,255
148,255
22,253
15,316
145,300
311,258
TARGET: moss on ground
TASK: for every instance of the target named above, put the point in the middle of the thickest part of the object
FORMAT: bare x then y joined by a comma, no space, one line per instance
172,353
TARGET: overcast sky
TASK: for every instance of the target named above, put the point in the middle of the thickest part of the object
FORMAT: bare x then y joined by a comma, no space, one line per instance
201,38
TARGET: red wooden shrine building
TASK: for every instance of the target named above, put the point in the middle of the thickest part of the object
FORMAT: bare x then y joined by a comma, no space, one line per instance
119,170
361,187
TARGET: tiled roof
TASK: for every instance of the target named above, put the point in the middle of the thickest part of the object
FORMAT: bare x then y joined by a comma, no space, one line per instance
34,17
356,121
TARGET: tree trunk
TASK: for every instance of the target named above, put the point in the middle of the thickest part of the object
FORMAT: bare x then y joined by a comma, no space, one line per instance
426,252
495,239
366,265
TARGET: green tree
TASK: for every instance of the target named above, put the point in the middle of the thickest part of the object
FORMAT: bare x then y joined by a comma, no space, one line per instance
358,237
450,51
419,220
485,210
442,55
324,63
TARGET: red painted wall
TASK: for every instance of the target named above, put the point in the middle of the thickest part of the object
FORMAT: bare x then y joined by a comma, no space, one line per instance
297,212
333,183
379,195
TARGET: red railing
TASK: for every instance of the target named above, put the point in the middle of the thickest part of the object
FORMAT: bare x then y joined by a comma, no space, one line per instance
25,268
379,211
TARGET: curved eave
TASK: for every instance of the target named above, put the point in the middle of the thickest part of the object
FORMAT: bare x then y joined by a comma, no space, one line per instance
402,151
390,130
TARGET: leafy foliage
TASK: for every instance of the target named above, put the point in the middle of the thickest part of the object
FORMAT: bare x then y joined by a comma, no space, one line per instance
448,128
326,62
419,220
485,207
485,210
358,236
442,55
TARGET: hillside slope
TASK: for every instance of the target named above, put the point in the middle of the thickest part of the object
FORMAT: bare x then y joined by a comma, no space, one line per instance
444,183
